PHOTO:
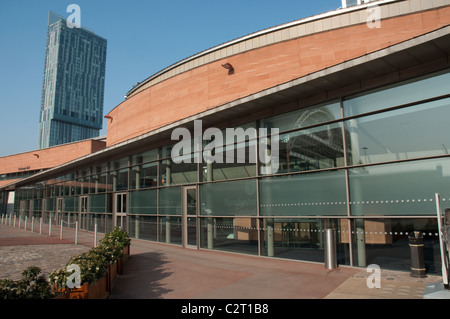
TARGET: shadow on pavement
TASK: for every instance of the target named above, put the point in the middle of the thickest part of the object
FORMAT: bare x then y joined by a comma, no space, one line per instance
141,277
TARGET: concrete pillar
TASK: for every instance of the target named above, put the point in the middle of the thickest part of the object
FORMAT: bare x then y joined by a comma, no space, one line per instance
209,221
168,180
114,180
270,237
210,231
138,177
167,229
360,243
136,227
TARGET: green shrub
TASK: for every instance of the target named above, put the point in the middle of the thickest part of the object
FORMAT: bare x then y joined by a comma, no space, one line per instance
31,286
94,263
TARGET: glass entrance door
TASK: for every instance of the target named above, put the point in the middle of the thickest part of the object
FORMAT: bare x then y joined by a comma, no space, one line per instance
83,212
190,217
120,210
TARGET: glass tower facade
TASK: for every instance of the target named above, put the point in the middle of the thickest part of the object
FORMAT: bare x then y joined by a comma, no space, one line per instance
73,87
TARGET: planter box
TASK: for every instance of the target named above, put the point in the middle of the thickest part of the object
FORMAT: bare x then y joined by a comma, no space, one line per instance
113,275
97,290
103,287
126,254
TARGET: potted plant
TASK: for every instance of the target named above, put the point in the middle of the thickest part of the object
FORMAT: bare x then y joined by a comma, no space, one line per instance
98,268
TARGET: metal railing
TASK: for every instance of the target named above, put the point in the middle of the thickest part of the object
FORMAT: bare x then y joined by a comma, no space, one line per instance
52,225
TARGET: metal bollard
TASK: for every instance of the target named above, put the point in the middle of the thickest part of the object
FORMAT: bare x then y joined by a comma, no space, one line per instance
95,235
417,258
76,233
330,249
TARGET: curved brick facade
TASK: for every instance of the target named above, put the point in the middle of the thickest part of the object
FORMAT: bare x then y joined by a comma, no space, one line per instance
265,61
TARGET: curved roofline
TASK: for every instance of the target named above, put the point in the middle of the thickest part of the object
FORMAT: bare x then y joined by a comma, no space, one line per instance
391,56
256,34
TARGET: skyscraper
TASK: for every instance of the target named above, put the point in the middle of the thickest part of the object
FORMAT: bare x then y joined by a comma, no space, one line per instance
73,87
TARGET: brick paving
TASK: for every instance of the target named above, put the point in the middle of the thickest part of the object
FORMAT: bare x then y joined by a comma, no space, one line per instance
159,271
20,249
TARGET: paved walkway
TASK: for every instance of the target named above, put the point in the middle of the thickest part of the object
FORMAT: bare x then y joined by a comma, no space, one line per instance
159,271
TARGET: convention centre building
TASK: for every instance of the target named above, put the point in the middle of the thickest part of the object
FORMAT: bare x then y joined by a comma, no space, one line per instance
256,146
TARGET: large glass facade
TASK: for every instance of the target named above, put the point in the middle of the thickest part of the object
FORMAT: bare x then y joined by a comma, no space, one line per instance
367,165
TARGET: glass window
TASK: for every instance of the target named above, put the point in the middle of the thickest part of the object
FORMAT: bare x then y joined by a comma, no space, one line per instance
229,234
237,198
119,163
143,176
176,174
37,205
302,238
399,189
101,185
143,202
143,227
310,149
418,131
118,179
321,194
230,162
145,157
303,118
100,168
170,201
71,204
385,242
97,203
170,230
415,90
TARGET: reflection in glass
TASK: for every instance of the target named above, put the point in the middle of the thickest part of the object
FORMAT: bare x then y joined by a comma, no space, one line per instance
303,118
385,242
322,194
175,174
143,202
229,234
97,203
413,132
398,189
143,227
118,179
170,230
402,93
71,204
242,164
310,149
143,176
237,198
302,239
145,157
170,201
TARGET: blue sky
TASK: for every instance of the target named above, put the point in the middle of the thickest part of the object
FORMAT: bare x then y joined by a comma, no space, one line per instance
143,38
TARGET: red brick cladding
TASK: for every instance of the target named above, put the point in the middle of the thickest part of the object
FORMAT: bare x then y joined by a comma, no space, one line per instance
210,86
47,158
